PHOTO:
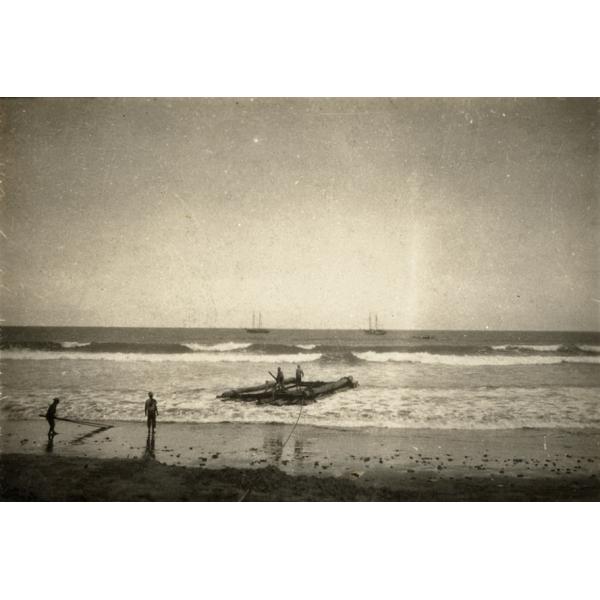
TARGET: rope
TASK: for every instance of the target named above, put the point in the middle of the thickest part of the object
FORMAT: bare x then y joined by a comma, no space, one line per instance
293,428
245,494
78,422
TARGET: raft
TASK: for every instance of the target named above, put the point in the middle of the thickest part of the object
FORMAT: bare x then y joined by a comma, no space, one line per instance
306,393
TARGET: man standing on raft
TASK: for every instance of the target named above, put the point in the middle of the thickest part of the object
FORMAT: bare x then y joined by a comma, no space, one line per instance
299,376
50,416
151,411
279,379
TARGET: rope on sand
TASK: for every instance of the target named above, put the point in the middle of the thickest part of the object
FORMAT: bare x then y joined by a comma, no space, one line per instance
293,428
77,422
245,494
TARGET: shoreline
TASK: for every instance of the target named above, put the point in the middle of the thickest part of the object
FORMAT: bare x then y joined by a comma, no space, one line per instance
141,423
328,463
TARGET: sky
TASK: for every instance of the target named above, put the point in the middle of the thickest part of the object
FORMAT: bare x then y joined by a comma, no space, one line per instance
433,213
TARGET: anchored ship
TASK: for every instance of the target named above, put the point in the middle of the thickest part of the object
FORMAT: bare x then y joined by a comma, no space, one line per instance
376,330
260,328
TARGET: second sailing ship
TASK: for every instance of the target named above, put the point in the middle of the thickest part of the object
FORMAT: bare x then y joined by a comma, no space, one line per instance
260,328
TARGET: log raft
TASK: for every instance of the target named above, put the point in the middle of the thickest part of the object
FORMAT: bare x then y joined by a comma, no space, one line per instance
306,393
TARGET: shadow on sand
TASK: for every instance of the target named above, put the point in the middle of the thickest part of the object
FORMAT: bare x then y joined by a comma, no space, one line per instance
80,439
149,452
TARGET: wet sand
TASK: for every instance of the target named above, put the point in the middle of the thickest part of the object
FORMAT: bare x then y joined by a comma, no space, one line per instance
223,461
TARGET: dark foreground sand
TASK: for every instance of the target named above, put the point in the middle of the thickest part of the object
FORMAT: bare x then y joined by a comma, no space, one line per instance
253,462
52,478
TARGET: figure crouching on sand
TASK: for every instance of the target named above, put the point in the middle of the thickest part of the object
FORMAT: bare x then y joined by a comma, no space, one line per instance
151,411
50,416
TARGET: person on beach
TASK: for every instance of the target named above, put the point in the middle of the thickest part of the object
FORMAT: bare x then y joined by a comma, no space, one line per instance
50,416
299,376
151,411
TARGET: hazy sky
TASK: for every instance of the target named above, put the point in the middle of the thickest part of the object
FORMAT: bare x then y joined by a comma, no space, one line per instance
435,214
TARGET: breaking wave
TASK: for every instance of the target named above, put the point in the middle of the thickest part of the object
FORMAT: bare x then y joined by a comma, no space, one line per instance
199,357
74,344
558,348
469,360
159,348
589,348
532,347
224,347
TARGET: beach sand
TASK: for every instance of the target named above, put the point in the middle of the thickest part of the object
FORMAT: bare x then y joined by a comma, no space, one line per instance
231,461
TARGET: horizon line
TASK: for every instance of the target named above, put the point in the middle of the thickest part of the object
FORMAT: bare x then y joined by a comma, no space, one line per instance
3,325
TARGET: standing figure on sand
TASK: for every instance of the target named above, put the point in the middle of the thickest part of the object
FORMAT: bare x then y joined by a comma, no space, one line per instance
151,411
50,416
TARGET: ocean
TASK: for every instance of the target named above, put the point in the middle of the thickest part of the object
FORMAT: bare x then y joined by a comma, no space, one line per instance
407,379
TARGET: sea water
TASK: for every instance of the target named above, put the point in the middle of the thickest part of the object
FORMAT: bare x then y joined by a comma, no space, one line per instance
407,379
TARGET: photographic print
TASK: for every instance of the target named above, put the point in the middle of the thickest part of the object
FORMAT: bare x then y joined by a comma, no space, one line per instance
299,299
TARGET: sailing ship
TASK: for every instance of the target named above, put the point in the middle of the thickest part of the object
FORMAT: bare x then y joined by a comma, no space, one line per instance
258,329
376,330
